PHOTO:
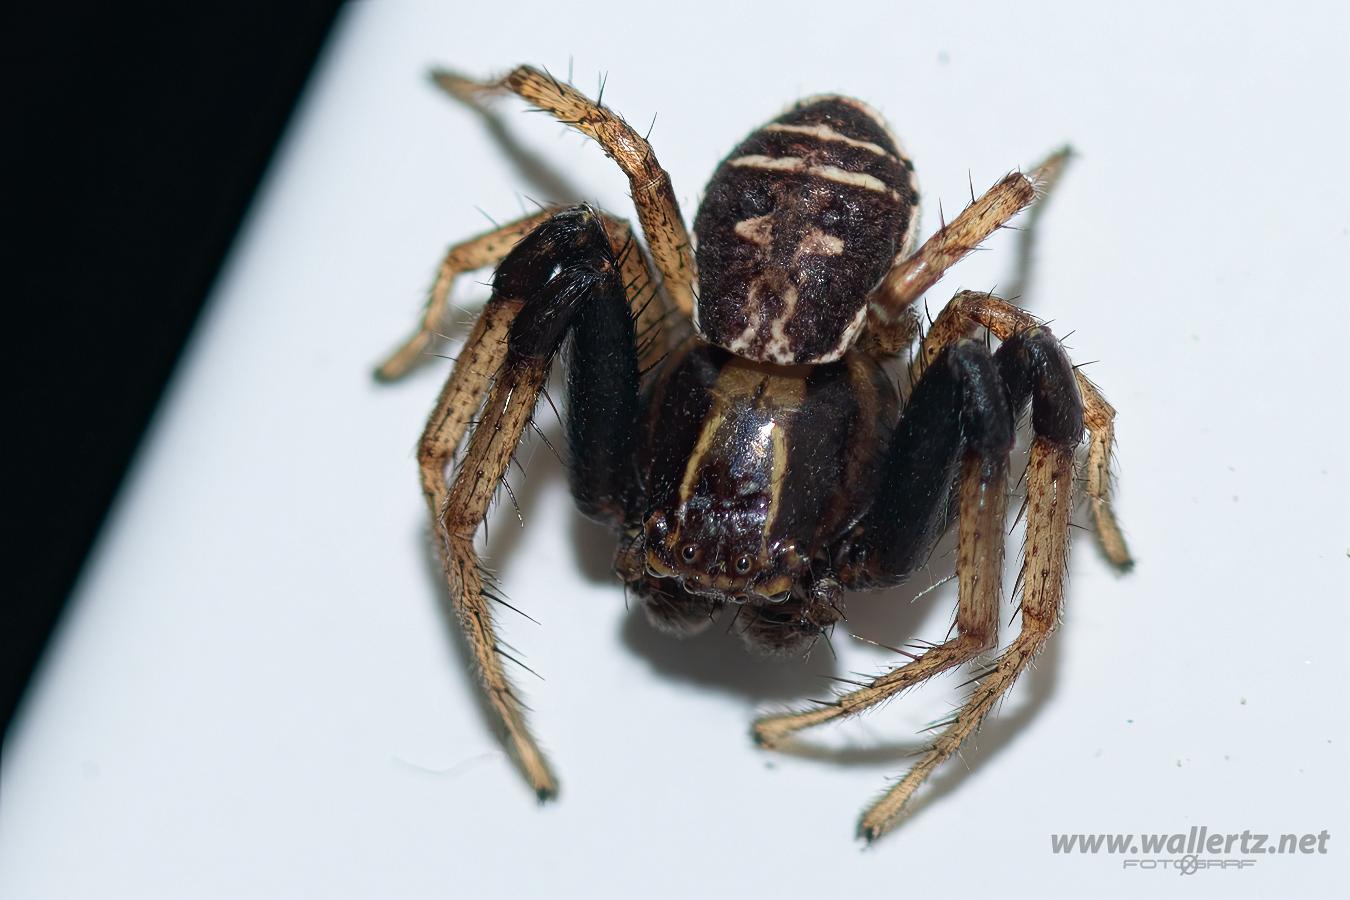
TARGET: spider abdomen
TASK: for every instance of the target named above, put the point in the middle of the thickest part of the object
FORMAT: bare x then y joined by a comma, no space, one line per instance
798,225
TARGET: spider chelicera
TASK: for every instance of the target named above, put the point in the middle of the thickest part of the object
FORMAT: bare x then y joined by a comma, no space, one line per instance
734,420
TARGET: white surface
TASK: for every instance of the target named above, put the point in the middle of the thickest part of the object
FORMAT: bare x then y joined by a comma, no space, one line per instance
255,693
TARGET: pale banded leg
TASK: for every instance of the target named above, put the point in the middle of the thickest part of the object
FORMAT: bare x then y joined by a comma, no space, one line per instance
1048,175
1031,366
490,248
476,253
659,326
458,511
970,310
909,278
1049,503
567,264
658,210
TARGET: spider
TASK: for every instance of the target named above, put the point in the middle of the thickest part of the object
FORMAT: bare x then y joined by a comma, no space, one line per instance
731,415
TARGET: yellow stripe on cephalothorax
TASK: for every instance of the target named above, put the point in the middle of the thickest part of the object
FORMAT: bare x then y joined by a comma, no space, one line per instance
712,423
777,475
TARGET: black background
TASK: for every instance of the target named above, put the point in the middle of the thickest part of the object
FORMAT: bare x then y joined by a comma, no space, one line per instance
138,142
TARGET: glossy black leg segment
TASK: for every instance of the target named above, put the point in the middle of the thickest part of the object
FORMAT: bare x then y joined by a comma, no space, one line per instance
603,410
1034,367
960,406
582,297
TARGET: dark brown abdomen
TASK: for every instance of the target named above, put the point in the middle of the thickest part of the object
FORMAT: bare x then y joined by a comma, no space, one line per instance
799,223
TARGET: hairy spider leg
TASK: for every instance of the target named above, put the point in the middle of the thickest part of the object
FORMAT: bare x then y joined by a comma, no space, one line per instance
490,248
1047,175
1032,365
910,514
564,277
970,310
658,210
930,449
478,252
891,322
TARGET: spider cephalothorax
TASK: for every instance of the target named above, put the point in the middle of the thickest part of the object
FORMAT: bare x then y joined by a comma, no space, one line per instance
749,448
752,471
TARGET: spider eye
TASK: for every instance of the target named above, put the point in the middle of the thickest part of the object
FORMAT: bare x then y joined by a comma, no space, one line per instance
688,552
743,565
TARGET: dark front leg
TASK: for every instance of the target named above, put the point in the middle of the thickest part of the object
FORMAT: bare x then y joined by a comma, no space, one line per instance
958,428
1035,368
544,289
584,300
970,310
602,412
959,408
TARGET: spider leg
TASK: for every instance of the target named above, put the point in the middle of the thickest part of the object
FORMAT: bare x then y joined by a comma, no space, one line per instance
659,329
658,210
930,446
476,253
970,310
1048,175
562,278
1031,364
891,323
490,248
